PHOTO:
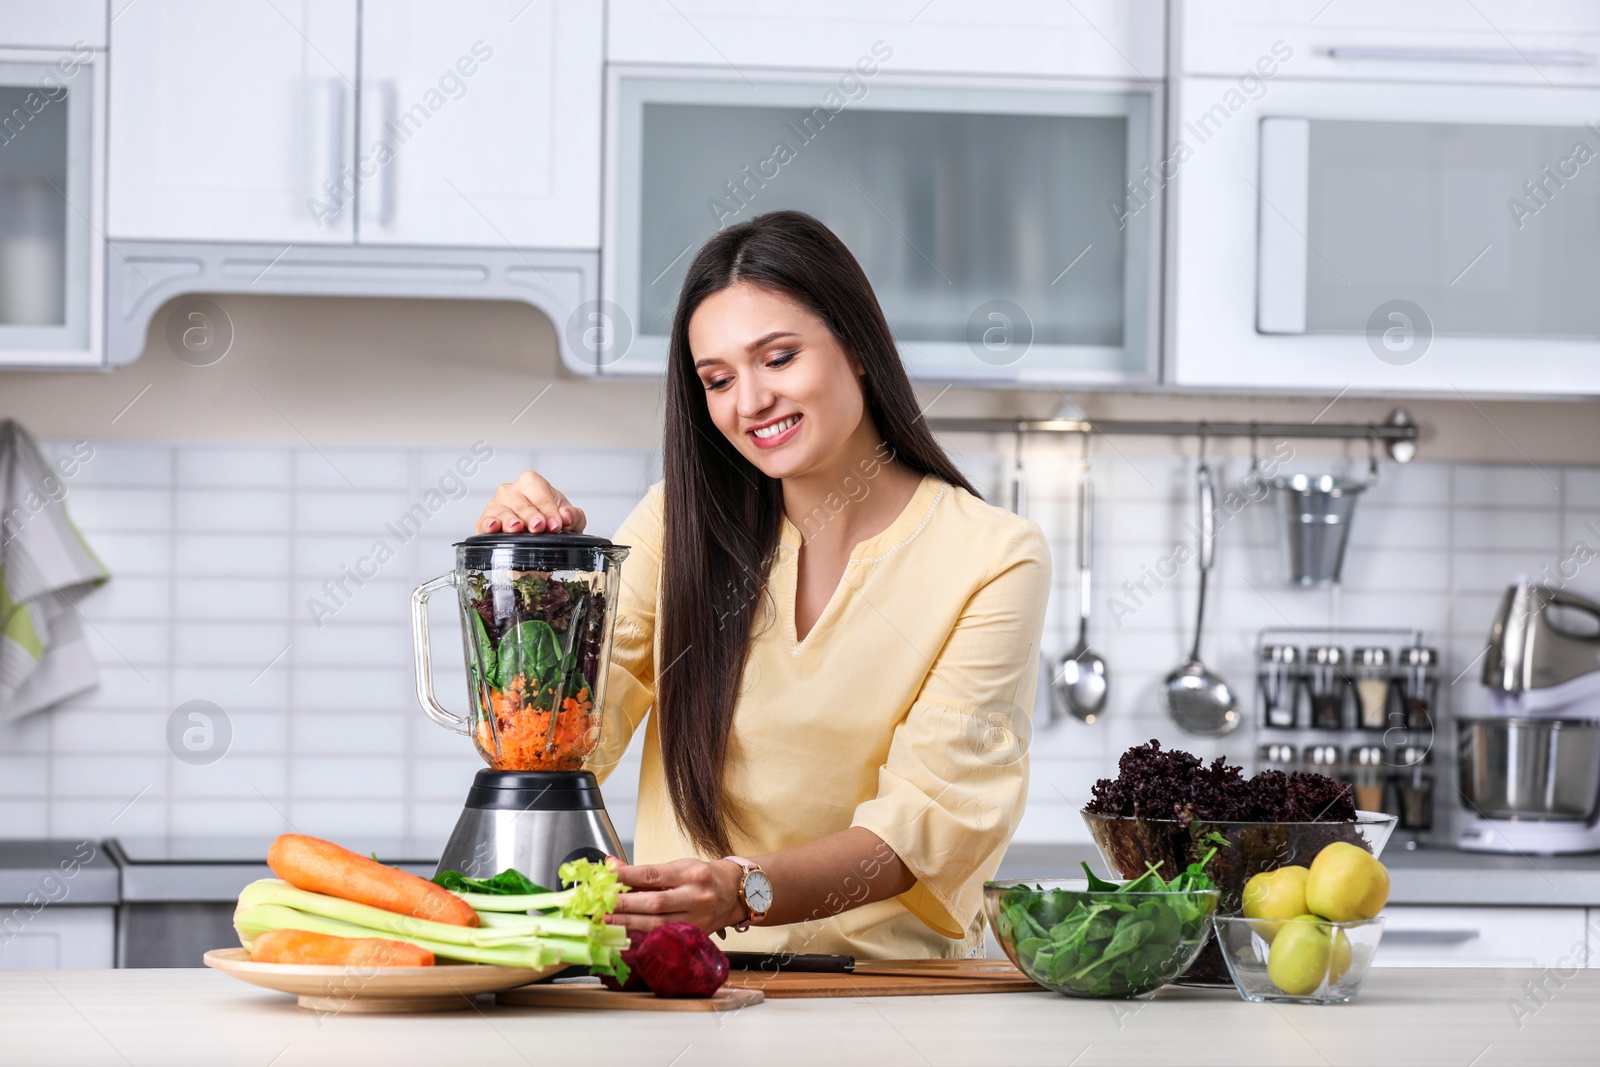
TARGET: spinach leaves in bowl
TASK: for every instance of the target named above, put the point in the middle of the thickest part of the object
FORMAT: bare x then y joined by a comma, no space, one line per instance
1094,938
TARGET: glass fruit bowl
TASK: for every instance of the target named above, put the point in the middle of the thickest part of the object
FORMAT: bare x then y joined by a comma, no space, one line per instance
1131,844
1297,961
1097,943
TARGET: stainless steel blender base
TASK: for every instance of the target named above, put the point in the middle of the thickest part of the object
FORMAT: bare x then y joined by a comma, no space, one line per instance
532,830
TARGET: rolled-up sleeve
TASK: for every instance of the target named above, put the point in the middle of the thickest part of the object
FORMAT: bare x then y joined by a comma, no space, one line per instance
631,675
952,789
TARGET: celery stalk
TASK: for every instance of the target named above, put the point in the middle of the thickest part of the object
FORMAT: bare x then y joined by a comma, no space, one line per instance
506,929
255,919
498,902
535,925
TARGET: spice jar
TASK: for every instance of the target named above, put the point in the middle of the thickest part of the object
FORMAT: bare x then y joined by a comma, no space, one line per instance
1371,669
1367,772
1411,788
1328,687
1418,682
1278,685
1277,756
1325,759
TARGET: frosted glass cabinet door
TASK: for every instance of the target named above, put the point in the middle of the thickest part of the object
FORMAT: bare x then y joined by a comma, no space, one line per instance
994,224
51,253
233,121
1490,229
1386,238
480,123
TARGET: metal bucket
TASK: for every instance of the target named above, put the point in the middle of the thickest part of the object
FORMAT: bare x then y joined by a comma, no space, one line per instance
1545,769
1315,510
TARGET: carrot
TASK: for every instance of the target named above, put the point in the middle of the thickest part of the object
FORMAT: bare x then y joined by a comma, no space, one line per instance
303,946
319,866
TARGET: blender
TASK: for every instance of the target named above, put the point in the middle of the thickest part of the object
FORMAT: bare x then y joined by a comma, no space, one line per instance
537,616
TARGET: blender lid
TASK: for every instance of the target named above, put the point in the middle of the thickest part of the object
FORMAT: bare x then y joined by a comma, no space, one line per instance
538,540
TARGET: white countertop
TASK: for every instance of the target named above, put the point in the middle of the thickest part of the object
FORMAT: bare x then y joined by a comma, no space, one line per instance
168,1018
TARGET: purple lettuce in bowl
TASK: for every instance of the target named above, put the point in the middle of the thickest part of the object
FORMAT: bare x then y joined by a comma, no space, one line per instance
1165,808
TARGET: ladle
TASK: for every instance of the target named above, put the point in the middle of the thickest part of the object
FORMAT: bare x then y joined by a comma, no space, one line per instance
1079,685
1199,701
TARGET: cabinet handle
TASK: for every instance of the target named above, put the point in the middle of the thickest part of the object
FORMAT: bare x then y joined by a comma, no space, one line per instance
1431,937
327,158
1400,54
389,106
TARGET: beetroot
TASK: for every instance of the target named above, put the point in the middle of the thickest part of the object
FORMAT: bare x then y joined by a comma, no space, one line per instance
678,960
630,956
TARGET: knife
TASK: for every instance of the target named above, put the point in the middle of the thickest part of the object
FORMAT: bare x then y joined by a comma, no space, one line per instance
820,963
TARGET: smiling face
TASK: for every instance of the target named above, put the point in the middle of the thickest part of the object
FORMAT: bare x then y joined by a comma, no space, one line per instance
778,385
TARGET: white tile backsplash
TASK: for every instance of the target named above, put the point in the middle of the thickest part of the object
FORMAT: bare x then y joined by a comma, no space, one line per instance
216,552
238,555
1506,485
134,510
234,468
354,513
232,510
370,470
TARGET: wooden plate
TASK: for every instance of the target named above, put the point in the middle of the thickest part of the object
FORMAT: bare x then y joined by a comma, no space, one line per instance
444,987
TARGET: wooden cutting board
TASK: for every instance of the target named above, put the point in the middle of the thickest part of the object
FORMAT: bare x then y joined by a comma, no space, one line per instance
594,995
907,978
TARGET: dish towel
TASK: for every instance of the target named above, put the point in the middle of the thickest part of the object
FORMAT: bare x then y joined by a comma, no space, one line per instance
44,567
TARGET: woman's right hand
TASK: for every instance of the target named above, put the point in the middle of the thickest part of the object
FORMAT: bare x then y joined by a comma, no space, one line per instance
530,505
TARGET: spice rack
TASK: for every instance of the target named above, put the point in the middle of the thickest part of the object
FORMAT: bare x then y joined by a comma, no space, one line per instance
1355,703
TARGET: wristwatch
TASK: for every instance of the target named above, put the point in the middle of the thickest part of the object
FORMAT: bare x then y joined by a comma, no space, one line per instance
755,891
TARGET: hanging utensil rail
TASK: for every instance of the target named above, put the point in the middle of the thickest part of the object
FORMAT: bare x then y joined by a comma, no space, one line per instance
1398,433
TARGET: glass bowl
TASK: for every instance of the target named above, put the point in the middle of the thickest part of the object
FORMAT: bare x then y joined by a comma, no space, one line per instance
1096,943
1131,844
1319,962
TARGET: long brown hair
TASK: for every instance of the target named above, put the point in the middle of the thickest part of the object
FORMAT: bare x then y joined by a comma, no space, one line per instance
723,516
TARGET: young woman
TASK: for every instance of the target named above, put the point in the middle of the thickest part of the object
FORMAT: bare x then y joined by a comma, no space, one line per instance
838,637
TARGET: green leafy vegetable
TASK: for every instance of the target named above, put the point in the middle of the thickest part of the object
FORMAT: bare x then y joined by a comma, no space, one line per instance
509,882
595,888
528,649
486,651
1109,940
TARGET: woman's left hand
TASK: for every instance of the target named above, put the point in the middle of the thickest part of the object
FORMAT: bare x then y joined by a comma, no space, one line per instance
683,891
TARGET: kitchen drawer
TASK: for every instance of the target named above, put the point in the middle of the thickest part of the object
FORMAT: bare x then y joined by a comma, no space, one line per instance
56,938
1554,42
1482,937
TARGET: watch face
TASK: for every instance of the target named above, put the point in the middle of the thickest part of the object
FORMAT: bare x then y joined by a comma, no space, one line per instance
758,892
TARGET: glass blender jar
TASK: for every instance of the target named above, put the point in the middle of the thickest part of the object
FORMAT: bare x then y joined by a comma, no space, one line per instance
538,612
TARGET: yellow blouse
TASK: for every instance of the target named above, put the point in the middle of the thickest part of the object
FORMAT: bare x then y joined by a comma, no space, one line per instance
905,710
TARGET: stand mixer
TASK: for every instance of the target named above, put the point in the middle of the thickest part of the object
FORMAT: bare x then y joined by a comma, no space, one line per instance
1530,769
538,612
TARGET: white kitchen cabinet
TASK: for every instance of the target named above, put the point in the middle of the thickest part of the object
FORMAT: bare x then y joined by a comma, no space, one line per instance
1416,936
1088,38
52,204
967,204
1387,238
60,937
233,121
1553,42
59,24
481,123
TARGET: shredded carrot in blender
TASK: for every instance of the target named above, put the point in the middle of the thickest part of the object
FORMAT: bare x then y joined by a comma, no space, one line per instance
522,730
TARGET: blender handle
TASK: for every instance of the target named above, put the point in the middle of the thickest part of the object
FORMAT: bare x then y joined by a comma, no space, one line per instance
419,639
